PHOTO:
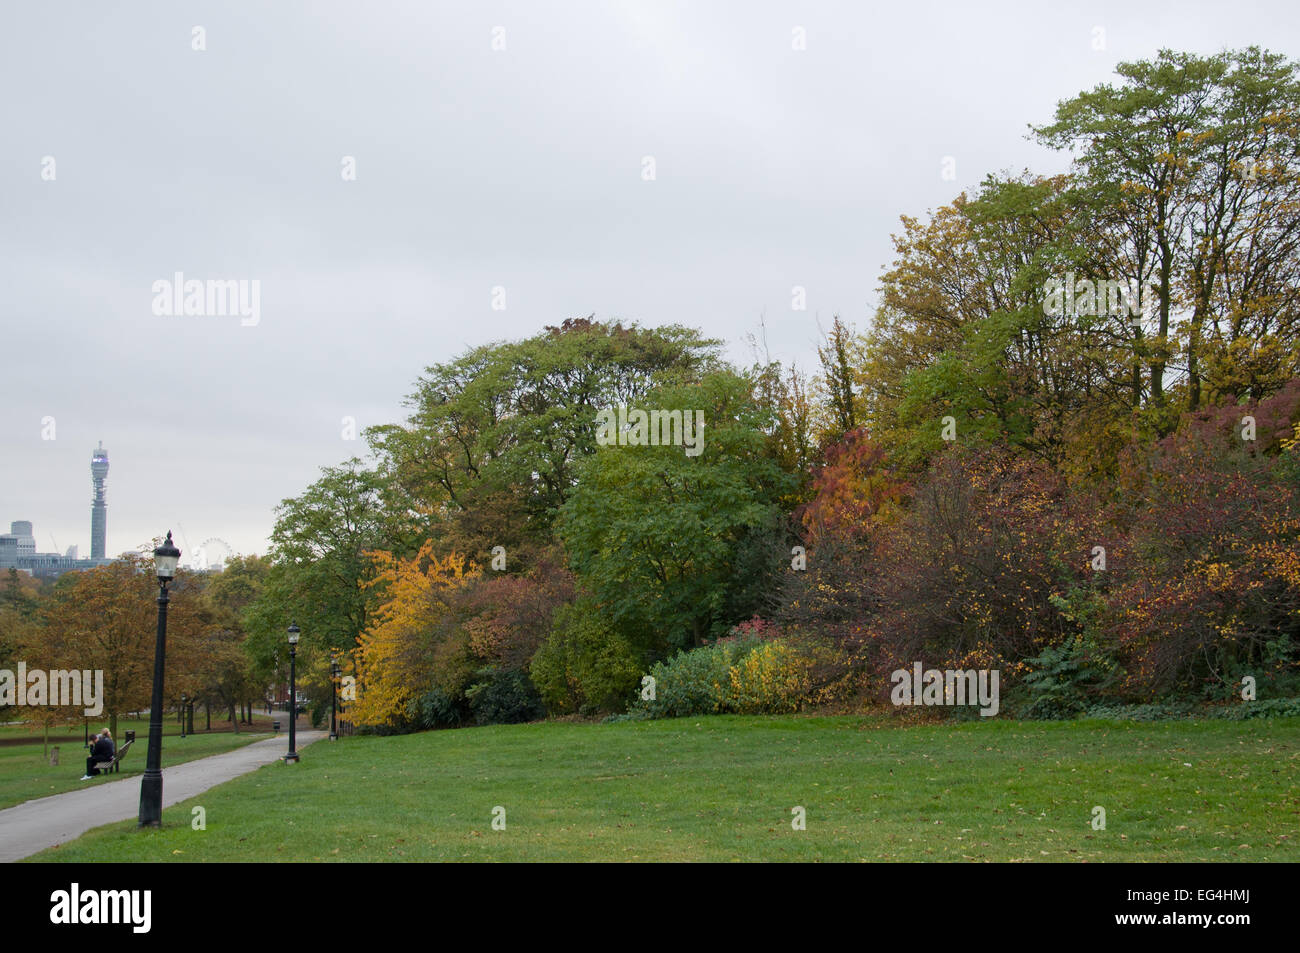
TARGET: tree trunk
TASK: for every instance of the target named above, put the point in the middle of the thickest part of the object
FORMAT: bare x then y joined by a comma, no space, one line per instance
207,710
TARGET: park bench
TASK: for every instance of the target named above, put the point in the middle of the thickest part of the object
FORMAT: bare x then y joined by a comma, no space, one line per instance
107,767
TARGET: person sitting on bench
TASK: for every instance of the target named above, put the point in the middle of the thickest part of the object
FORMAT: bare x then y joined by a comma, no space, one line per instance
101,750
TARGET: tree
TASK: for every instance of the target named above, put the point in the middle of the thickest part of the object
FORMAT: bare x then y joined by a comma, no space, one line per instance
412,642
678,548
490,451
106,619
1193,167
319,569
230,595
837,380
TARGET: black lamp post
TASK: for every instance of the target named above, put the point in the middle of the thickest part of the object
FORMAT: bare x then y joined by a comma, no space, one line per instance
165,558
334,680
292,756
184,699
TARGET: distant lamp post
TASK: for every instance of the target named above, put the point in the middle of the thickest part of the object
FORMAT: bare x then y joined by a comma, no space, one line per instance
184,702
165,558
335,671
292,756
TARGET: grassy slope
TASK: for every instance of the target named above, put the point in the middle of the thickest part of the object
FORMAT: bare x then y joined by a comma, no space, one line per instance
25,773
722,789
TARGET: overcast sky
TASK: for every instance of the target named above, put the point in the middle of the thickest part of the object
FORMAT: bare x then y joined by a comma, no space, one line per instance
476,168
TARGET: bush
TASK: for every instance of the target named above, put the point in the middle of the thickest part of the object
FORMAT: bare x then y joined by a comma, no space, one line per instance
770,679
1062,677
506,698
584,666
695,682
744,674
436,709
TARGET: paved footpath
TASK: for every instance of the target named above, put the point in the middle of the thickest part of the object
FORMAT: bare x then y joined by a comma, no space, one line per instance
35,825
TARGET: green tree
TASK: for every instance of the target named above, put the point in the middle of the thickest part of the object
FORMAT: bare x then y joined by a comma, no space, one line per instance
489,452
317,572
677,548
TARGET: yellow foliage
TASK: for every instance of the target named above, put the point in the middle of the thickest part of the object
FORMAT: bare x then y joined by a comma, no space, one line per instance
771,679
409,639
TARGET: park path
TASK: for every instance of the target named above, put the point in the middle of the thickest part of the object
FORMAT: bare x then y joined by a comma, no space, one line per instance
35,825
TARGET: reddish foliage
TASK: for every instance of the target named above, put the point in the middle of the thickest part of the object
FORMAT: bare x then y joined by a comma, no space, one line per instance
509,616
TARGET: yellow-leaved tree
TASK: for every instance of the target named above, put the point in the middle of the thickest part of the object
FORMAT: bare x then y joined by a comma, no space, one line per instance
412,642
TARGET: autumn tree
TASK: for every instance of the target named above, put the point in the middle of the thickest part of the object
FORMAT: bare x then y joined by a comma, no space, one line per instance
1192,164
106,619
412,642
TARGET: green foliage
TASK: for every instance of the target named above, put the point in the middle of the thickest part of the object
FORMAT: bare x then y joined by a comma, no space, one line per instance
436,709
584,666
741,674
677,549
318,549
1151,711
695,682
1062,677
490,450
1181,710
505,698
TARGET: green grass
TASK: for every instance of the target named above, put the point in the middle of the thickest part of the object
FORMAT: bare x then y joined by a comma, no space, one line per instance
67,735
722,789
25,773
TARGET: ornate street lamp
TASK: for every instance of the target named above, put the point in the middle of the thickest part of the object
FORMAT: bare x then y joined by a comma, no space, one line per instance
184,700
165,558
292,756
335,671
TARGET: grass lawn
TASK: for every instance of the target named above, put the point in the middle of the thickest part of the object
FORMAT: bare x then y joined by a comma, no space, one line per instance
722,789
26,774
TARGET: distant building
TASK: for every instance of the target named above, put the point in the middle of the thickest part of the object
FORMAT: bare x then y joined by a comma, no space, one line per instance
18,546
25,542
18,551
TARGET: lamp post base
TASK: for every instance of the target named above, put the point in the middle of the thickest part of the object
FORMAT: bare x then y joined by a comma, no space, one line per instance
151,800
291,758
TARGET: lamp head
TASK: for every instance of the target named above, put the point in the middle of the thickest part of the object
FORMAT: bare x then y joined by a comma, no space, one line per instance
165,558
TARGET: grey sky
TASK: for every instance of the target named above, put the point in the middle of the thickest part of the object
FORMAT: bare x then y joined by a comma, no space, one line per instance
476,168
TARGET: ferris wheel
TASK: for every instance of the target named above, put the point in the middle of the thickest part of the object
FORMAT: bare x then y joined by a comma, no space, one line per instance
213,553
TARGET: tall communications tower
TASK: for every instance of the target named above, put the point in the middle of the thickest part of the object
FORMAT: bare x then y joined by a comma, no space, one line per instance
98,508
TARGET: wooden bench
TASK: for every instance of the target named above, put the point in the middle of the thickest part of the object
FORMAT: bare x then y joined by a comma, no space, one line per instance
108,767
